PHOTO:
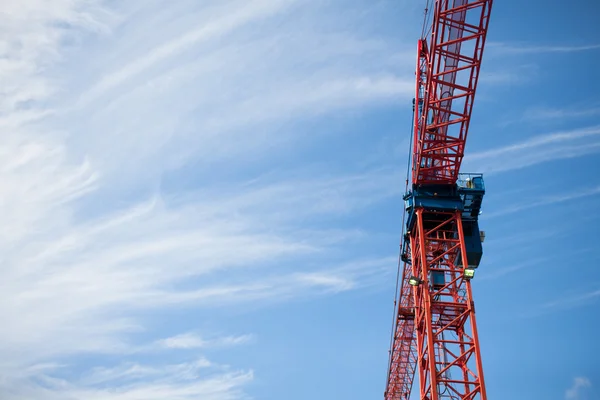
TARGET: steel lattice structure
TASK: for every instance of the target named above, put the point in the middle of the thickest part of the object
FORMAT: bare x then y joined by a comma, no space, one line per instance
435,331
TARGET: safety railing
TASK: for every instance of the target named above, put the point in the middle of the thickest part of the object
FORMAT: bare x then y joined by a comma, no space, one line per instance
470,181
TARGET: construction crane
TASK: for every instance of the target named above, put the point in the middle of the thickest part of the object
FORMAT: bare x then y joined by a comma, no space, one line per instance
434,333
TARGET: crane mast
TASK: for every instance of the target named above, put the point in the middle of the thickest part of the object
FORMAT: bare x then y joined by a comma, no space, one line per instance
435,331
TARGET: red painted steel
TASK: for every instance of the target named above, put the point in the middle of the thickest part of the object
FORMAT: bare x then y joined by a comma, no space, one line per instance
435,332
447,75
403,357
447,344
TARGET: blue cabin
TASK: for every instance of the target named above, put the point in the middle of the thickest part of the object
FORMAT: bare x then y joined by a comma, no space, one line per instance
431,198
437,279
472,243
471,189
466,196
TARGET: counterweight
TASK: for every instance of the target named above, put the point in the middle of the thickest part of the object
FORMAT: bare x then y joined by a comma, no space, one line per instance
435,332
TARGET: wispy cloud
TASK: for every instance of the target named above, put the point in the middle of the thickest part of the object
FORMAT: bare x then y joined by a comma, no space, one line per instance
519,74
546,201
526,48
194,341
498,271
552,115
522,236
525,71
230,19
539,141
78,278
575,392
190,380
137,162
566,301
135,371
225,94
536,150
560,113
573,300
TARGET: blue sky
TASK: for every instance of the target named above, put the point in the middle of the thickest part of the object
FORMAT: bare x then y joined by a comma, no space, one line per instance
202,200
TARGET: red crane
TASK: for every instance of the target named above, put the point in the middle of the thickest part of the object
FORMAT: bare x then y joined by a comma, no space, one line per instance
435,332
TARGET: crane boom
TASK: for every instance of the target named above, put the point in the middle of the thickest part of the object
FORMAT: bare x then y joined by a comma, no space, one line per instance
447,75
435,332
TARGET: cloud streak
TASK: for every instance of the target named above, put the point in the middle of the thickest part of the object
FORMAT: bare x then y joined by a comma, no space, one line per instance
560,113
552,115
520,74
549,200
500,272
573,301
104,221
580,384
523,48
232,18
192,340
536,150
183,381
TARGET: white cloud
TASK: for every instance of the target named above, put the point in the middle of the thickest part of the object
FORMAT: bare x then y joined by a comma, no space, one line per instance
136,382
553,113
183,341
194,341
575,391
78,282
540,141
232,18
332,282
224,97
538,149
525,48
519,71
100,105
500,271
545,201
573,300
517,74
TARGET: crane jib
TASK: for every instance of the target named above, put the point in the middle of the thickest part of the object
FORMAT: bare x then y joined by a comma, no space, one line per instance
434,335
447,75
